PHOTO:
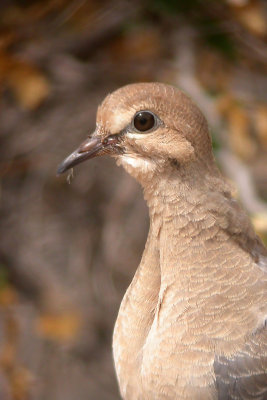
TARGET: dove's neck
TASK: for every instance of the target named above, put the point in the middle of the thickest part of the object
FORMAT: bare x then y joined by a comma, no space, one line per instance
181,192
181,213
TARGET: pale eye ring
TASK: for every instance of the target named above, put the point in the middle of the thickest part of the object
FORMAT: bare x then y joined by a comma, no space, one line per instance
144,121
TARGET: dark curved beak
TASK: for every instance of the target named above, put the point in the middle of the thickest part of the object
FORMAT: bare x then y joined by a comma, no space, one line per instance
90,148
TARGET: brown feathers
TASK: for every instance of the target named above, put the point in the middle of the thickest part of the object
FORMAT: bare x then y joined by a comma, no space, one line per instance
192,324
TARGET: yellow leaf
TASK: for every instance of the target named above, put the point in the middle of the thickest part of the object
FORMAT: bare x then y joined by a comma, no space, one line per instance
28,84
253,17
137,45
260,223
239,126
20,382
59,327
261,124
8,296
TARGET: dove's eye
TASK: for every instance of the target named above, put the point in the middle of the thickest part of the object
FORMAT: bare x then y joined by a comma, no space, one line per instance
144,121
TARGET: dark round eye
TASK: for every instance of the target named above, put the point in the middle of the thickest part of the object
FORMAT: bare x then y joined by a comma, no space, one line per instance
144,121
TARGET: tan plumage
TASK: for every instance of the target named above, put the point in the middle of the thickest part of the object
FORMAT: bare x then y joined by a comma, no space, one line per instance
192,324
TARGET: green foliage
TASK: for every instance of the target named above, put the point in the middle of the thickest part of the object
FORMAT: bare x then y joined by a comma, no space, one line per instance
264,239
4,281
220,41
174,6
209,25
215,143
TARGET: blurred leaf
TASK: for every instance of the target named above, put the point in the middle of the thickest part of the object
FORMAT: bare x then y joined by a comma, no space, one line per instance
28,84
260,223
219,40
253,17
237,2
8,296
60,327
238,122
240,140
18,377
3,277
213,70
21,382
23,12
7,38
138,44
174,6
216,145
261,124
223,43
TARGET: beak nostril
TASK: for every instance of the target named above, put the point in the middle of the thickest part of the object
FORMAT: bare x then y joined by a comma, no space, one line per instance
110,140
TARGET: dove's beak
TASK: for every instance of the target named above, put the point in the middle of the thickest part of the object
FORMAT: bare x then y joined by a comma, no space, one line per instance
92,147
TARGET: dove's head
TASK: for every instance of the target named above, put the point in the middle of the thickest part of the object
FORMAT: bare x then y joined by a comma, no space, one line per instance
147,127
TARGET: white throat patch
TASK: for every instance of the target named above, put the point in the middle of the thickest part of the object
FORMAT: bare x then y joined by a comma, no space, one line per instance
137,163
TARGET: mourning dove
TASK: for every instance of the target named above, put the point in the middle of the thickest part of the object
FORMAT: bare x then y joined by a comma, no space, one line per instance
192,324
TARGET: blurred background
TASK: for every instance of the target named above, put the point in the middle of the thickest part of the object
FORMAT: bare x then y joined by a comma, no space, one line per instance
69,247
